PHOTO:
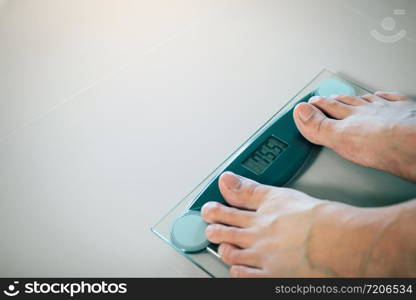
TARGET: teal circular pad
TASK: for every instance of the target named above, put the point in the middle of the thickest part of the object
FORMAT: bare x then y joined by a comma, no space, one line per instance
334,87
188,232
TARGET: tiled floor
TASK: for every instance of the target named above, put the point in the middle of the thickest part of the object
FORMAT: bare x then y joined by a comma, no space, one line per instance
111,111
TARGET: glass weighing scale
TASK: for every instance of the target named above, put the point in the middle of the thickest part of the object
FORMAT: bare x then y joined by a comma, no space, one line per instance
277,154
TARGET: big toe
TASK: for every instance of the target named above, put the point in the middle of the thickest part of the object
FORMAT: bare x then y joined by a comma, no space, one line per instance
314,125
242,192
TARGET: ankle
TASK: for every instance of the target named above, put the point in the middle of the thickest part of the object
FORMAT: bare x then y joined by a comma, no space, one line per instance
395,249
328,245
406,148
343,239
400,154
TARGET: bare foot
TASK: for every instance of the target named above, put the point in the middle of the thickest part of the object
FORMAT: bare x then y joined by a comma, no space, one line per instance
276,232
377,131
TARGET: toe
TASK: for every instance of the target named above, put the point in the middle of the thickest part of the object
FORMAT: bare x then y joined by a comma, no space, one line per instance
232,255
314,125
246,272
332,107
372,98
242,192
392,96
350,100
215,212
218,233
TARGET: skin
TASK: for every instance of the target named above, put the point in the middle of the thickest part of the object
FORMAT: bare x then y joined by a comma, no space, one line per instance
276,232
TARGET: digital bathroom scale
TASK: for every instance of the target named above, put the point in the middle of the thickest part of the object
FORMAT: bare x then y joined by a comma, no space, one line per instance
277,154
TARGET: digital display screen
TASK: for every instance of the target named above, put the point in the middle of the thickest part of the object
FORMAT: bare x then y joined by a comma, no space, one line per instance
264,155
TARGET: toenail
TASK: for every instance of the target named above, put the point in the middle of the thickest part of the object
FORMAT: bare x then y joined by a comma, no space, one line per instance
231,181
209,231
220,250
315,98
210,205
207,208
305,112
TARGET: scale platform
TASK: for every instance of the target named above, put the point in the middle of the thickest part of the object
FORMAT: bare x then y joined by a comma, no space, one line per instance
314,170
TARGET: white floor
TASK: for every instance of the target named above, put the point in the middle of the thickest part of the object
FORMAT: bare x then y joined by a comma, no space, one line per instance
111,111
